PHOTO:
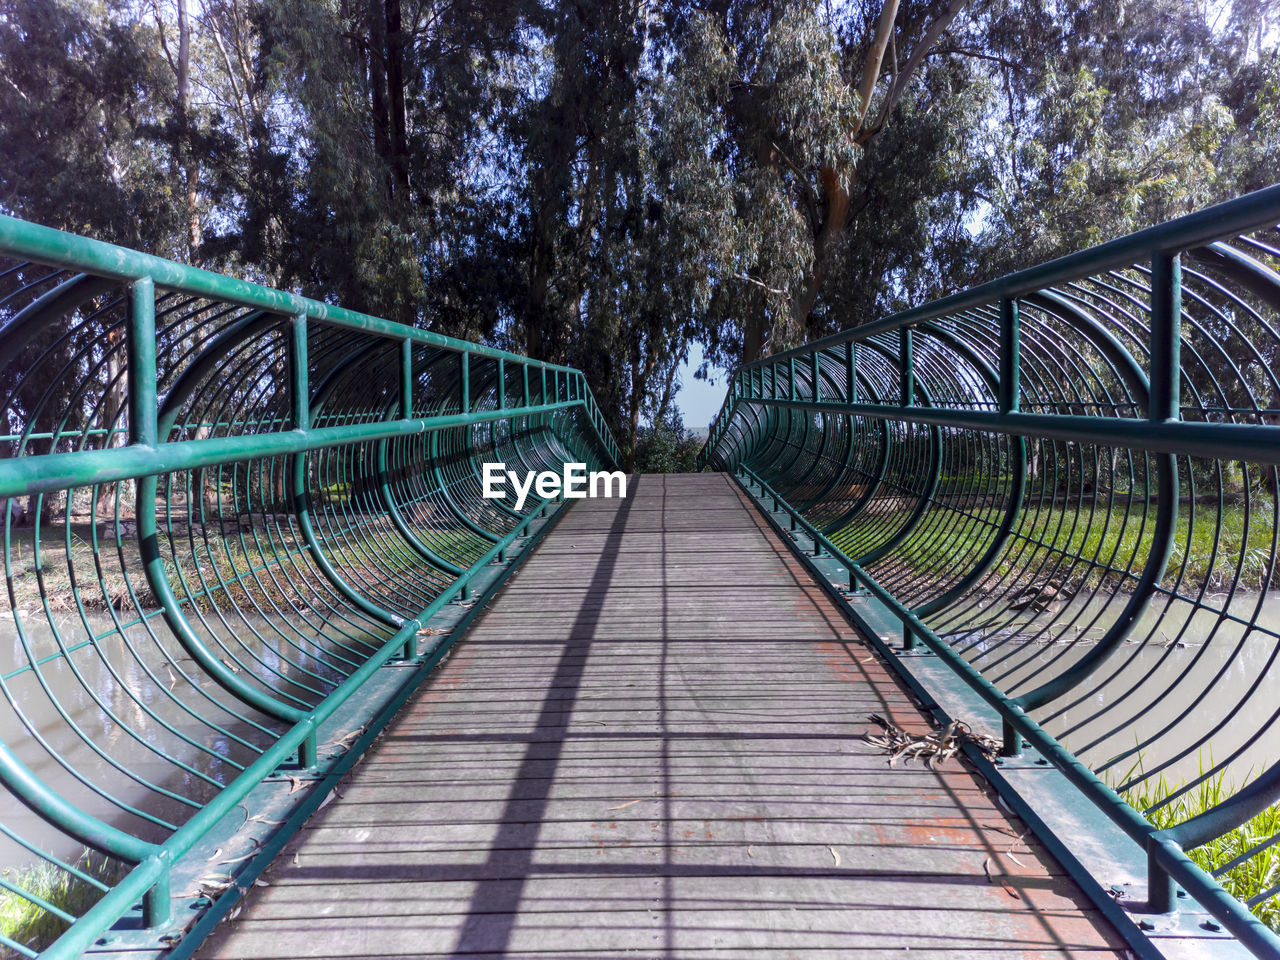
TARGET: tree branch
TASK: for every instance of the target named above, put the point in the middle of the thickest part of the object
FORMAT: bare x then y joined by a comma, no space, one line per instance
758,283
810,201
918,53
875,57
977,54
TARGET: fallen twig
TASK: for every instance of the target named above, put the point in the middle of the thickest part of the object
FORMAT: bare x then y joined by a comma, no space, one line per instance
933,748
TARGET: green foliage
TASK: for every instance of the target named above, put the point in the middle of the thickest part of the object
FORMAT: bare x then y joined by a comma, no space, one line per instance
666,448
1166,805
606,182
1208,552
27,922
81,86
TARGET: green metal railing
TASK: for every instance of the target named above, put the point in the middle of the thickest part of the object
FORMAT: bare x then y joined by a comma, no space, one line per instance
230,511
1064,484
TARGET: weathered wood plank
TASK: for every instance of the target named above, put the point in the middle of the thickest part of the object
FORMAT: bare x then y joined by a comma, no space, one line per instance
652,745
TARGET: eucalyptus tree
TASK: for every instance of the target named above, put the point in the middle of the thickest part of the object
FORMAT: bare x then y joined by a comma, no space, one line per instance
385,184
80,90
803,94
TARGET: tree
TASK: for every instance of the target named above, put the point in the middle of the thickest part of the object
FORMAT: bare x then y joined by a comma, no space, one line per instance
395,99
803,97
665,447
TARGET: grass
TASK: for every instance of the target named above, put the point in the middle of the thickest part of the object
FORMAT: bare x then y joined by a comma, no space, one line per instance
1112,537
1258,873
29,923
229,554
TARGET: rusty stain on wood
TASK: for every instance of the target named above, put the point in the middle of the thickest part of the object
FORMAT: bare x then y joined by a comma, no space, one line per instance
666,648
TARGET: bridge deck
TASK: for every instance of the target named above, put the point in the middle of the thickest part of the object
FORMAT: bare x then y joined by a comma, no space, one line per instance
651,746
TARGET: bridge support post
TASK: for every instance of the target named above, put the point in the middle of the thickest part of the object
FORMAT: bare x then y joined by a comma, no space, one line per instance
157,902
1162,894
308,752
1012,745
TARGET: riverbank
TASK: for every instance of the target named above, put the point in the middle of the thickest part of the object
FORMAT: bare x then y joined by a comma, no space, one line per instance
1233,548
1222,550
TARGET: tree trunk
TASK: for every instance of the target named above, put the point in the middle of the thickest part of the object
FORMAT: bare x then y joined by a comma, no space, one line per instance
190,167
377,65
398,144
833,225
112,404
668,391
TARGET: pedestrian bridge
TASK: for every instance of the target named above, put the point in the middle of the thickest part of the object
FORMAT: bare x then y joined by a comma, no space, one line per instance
962,642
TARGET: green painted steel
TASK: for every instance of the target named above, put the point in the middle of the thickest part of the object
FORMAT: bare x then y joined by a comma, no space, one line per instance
229,511
1074,504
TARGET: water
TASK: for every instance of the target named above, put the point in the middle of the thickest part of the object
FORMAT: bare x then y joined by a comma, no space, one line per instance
1141,689
1191,688
125,696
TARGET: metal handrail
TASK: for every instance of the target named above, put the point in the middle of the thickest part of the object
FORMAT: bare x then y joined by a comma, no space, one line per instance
304,485
1057,481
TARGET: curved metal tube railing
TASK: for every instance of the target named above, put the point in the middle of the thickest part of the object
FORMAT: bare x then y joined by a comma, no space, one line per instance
1064,482
242,503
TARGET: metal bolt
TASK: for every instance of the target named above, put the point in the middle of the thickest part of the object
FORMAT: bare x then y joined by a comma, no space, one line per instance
1146,925
1211,925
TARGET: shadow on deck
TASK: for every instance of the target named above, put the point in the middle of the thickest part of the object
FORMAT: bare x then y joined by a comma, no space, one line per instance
651,745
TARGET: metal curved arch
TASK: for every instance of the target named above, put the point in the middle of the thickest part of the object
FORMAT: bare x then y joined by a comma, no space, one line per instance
251,461
1122,423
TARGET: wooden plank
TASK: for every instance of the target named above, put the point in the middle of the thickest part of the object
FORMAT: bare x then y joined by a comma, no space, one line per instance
652,744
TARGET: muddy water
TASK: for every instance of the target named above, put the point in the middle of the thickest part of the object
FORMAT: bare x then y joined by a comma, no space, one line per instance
153,740
1190,689
126,684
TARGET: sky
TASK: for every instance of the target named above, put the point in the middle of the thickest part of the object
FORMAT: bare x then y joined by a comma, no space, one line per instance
700,400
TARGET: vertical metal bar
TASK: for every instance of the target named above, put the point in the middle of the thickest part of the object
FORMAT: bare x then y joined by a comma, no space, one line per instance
1010,359
1012,745
157,902
406,379
143,411
791,376
815,373
1162,892
299,381
1166,337
906,369
502,383
1007,401
524,369
851,371
1164,403
144,431
464,363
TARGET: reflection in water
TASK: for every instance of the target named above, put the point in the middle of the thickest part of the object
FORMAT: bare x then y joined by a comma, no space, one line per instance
135,716
1171,702
164,742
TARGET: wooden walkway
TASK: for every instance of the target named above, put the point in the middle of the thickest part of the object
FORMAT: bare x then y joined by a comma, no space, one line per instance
650,746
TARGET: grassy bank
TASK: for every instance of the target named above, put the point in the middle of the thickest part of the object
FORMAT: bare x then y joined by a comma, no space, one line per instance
1047,536
1256,874
255,563
31,922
